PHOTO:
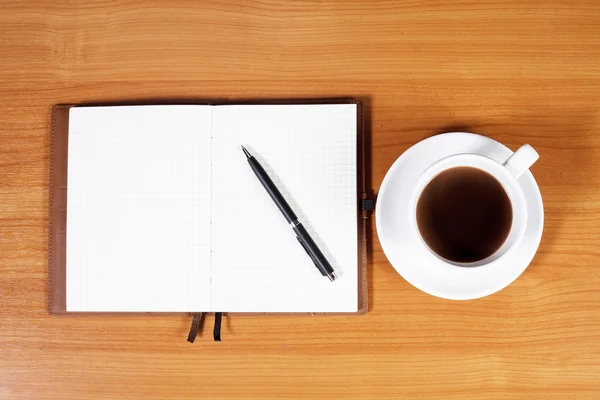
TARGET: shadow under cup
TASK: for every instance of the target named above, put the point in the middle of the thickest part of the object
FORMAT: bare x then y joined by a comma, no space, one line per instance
468,210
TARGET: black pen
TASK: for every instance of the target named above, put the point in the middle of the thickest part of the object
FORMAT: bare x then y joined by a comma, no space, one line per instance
301,233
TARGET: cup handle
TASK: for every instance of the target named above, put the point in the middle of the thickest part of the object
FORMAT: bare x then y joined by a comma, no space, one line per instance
521,160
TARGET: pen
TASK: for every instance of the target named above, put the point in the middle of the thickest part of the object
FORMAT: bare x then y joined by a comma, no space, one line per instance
302,235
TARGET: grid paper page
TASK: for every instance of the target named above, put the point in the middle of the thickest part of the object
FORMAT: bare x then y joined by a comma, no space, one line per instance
310,153
138,209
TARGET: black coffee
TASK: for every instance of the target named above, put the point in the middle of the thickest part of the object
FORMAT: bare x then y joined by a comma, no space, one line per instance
464,214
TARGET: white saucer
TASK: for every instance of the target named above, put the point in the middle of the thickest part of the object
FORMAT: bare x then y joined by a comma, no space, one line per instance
410,257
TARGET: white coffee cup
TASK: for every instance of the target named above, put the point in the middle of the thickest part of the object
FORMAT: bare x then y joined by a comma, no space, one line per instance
506,173
396,215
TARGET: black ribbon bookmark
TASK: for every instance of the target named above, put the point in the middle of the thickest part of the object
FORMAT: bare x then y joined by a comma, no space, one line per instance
217,328
196,325
197,322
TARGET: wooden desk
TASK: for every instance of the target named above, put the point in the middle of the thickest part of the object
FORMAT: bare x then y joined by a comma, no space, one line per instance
523,71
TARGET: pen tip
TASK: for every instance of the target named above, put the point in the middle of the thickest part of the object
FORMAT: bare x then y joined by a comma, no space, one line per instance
246,152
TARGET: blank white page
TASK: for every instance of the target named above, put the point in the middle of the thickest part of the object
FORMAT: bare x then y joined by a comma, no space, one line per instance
138,209
310,153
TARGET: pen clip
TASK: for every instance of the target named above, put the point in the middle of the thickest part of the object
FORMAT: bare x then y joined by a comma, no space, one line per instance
306,250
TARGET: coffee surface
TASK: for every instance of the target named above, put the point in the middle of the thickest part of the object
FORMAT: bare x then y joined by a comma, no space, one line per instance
464,215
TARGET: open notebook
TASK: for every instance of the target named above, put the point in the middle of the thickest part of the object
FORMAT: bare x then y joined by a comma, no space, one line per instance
165,215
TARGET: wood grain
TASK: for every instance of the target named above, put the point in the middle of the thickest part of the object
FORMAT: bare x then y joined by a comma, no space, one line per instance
517,71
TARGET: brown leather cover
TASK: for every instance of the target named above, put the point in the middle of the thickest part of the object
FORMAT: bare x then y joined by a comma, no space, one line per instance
57,299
